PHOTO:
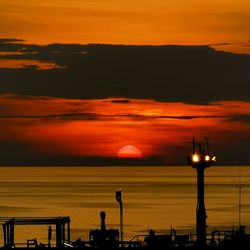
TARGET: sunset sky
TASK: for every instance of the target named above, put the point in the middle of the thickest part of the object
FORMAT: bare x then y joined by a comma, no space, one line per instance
224,23
81,79
52,127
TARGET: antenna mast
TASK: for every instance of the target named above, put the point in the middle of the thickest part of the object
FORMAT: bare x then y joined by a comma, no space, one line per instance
200,159
240,189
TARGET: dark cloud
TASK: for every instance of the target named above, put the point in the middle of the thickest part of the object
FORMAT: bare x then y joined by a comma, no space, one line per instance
73,116
189,117
234,152
23,97
241,118
121,101
17,46
96,116
219,44
10,40
243,44
167,73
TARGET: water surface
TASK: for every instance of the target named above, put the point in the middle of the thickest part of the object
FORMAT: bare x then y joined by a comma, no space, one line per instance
154,197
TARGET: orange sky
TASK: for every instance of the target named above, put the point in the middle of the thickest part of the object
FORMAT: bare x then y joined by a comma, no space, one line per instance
100,128
129,22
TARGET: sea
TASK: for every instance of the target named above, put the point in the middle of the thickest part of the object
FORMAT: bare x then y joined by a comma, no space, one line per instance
158,198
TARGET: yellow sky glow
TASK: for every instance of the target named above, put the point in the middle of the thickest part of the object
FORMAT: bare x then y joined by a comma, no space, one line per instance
129,22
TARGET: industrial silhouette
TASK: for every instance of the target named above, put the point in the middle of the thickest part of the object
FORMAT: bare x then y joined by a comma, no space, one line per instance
200,160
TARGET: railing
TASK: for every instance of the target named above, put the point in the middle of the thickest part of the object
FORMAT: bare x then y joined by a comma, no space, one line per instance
135,241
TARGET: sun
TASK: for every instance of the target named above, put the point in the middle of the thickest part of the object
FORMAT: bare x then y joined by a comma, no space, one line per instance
129,151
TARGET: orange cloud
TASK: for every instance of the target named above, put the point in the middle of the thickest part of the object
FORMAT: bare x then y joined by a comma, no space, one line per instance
36,64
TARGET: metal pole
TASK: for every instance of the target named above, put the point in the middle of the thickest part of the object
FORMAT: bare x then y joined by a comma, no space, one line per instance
201,211
119,200
239,206
68,232
49,236
4,235
240,190
121,222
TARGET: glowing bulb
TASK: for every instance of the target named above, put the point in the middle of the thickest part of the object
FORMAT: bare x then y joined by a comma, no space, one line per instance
214,158
195,158
207,158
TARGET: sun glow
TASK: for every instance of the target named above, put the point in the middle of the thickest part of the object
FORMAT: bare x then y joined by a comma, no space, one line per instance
104,129
129,151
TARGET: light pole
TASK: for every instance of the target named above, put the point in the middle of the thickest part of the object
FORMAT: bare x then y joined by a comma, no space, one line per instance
119,200
200,159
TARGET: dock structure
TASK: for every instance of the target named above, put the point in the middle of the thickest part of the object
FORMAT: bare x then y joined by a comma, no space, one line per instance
62,225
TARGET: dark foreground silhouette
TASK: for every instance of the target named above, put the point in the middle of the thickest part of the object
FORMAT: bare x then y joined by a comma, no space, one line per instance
108,239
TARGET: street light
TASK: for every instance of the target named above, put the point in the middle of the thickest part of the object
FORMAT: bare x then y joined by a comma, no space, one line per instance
119,200
200,159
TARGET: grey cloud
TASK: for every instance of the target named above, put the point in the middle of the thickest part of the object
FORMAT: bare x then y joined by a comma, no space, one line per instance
242,118
11,40
220,44
167,73
96,116
121,101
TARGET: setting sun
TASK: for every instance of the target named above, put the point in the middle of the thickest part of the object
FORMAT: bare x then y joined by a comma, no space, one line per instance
129,151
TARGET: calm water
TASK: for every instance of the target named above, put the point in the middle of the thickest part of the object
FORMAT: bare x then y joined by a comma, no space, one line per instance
154,197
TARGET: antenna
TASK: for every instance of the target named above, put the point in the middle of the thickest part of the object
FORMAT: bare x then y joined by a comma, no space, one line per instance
207,140
240,190
240,187
118,196
193,145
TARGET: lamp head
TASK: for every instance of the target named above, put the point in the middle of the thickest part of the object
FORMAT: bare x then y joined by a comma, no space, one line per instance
198,160
201,158
118,196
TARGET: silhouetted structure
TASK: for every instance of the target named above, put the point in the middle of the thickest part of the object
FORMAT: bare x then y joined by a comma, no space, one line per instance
158,242
118,196
200,160
60,223
104,238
